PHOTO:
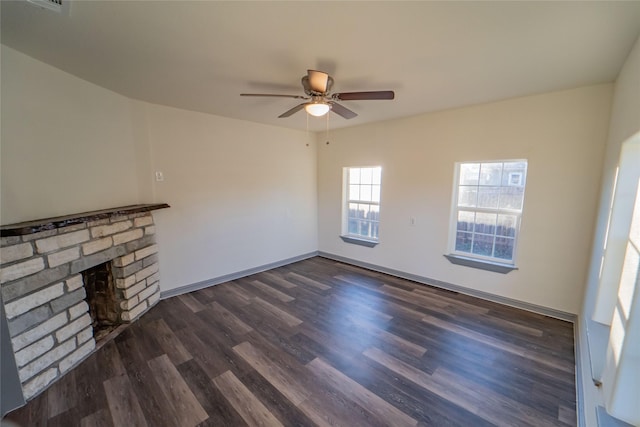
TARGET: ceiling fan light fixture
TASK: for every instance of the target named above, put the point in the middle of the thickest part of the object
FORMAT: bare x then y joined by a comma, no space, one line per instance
319,98
317,109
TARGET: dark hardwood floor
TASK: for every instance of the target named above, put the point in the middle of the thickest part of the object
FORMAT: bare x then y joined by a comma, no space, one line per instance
321,343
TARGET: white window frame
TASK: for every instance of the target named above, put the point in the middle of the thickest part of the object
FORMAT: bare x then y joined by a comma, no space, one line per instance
346,200
455,209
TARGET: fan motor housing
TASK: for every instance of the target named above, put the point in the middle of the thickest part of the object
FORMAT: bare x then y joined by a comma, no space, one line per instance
307,86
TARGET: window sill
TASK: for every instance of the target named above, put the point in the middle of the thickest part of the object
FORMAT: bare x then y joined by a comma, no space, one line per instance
359,241
495,267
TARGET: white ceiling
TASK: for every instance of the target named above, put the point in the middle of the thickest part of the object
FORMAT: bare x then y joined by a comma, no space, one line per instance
435,55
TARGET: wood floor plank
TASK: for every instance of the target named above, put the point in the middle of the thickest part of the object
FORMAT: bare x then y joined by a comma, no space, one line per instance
290,348
191,302
307,281
553,394
212,357
277,280
324,342
155,407
187,407
63,395
344,413
108,362
499,409
96,368
145,343
360,395
504,324
364,306
272,291
204,295
353,280
278,377
427,408
567,415
175,314
265,323
276,312
35,413
403,314
123,402
169,342
65,419
422,379
466,394
247,405
101,418
502,345
411,297
451,302
390,338
430,301
230,320
418,306
281,407
235,292
357,270
221,413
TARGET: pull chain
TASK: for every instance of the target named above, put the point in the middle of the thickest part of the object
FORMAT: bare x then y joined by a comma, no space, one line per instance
327,130
307,114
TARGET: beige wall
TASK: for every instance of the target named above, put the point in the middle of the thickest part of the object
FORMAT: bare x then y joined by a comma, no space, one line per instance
67,145
561,134
242,194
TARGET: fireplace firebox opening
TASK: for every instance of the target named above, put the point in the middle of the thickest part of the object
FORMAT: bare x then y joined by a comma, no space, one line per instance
101,297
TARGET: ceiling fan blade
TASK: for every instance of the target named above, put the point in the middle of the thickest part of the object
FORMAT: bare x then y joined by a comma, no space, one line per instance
352,96
274,95
318,80
342,111
293,110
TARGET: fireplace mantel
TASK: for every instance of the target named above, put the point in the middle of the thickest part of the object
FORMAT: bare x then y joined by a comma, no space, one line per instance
30,227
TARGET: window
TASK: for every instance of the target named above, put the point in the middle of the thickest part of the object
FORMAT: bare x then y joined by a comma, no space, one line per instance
487,206
361,216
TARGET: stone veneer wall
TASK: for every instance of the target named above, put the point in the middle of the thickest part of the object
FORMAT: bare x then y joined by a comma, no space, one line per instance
44,297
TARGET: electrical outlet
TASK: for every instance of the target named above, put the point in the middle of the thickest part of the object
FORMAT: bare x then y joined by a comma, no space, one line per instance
159,176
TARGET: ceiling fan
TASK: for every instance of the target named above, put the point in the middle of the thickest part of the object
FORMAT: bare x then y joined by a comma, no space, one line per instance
317,87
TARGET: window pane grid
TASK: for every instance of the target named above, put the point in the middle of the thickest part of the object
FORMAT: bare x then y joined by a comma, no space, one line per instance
363,202
488,208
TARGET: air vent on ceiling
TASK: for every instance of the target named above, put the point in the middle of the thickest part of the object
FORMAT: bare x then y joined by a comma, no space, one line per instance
59,6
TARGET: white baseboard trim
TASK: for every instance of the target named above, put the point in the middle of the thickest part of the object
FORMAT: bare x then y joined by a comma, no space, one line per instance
558,314
233,276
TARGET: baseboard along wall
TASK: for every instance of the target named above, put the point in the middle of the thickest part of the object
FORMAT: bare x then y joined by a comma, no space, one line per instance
233,276
546,311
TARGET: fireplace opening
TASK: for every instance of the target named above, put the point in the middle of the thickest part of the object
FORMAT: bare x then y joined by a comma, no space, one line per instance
101,297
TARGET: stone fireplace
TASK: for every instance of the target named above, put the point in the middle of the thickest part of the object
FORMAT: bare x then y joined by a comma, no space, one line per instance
67,281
